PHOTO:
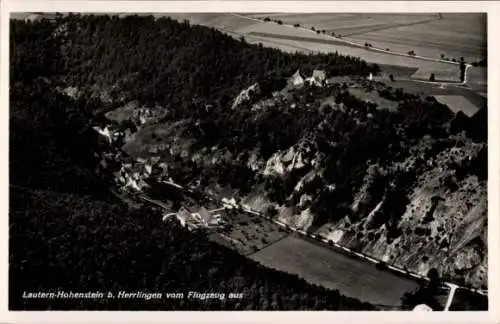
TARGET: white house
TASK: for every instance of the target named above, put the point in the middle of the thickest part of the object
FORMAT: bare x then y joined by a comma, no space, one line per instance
296,79
318,78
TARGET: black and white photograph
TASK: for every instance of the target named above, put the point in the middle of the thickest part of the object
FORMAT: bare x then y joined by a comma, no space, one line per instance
248,161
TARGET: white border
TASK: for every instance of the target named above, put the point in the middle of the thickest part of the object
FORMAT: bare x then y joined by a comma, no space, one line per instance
492,8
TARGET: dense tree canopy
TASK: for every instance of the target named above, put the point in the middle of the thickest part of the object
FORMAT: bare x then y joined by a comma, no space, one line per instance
77,243
66,232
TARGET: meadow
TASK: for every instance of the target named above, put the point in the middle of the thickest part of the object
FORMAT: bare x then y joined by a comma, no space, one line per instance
328,268
303,39
453,35
247,233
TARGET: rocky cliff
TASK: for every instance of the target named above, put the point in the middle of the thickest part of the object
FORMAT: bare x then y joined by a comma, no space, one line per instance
421,203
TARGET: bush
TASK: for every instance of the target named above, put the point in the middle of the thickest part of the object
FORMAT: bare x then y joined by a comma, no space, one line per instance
271,211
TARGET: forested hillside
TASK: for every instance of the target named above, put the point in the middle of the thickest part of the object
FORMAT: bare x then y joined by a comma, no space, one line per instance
66,232
78,243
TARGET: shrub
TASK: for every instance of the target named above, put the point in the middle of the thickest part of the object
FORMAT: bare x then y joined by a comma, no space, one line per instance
271,211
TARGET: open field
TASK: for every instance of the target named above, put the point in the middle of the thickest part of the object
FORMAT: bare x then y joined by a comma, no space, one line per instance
325,267
291,39
477,79
446,74
464,300
347,24
432,89
454,34
458,103
247,233
374,97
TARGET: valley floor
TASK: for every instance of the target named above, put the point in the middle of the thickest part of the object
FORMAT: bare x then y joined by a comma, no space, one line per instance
323,266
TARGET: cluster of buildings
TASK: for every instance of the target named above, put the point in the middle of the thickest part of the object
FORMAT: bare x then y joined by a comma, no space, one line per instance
297,80
135,113
318,79
193,218
134,175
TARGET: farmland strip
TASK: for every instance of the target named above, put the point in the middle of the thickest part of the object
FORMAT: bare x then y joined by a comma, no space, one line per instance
386,27
303,39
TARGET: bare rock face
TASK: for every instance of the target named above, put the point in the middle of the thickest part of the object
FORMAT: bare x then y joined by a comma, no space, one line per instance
299,219
275,165
304,200
246,95
443,225
298,156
